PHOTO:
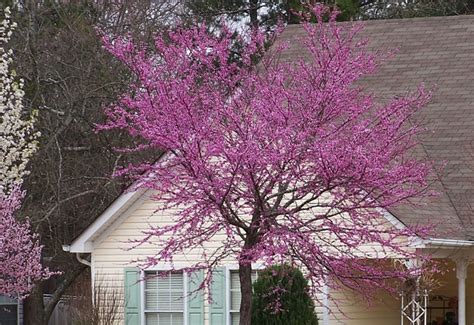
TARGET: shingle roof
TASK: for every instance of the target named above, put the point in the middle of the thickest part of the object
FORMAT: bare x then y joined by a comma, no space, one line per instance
438,51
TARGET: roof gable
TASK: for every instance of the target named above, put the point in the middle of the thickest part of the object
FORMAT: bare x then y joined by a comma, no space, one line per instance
119,209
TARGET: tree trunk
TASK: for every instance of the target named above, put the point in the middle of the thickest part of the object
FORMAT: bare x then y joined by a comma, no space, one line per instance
245,276
34,307
66,281
36,312
253,13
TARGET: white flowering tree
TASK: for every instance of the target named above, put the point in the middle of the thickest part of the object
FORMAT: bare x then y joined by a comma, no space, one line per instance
17,140
20,252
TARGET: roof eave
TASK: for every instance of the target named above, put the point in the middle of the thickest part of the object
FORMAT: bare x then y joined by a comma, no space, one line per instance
442,242
85,242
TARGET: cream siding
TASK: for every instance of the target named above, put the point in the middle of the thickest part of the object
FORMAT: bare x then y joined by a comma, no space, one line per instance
111,255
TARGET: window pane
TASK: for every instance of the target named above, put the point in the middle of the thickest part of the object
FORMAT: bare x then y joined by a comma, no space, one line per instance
151,318
235,318
163,300
177,319
163,283
164,319
234,280
164,293
151,281
151,299
4,300
176,282
235,295
176,301
8,314
254,276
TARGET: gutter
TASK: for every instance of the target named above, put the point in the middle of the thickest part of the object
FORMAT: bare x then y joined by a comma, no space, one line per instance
449,242
67,248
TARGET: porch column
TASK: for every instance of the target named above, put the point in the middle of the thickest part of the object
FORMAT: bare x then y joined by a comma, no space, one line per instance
461,274
325,302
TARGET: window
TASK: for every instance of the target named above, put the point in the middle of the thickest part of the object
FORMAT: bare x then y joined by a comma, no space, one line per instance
164,298
8,311
235,295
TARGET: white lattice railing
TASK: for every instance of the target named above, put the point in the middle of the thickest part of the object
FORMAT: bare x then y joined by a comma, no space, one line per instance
414,309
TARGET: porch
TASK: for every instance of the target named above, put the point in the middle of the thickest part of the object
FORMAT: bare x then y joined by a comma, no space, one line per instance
451,303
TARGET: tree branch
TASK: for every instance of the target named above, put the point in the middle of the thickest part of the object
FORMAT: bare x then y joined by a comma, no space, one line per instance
67,280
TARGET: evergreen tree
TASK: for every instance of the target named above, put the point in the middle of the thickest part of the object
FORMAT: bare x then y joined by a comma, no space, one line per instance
263,13
266,13
280,297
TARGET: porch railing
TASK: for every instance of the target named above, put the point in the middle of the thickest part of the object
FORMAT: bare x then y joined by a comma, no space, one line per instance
414,308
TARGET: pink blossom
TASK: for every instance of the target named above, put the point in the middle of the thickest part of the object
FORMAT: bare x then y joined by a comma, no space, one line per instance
291,161
20,251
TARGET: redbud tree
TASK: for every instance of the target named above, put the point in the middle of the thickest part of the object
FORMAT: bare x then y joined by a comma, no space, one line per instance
20,251
292,161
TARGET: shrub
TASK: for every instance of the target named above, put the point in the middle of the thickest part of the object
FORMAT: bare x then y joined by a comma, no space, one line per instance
280,297
107,308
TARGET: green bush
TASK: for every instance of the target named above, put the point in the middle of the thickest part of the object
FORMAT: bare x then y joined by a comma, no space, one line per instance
280,297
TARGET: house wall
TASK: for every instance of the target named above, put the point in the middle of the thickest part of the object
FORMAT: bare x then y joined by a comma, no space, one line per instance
110,256
349,308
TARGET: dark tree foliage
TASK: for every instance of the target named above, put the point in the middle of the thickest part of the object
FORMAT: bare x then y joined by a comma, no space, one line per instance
280,297
69,78
262,13
266,13
388,9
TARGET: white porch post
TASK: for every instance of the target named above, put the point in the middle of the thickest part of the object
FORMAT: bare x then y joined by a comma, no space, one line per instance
461,274
325,302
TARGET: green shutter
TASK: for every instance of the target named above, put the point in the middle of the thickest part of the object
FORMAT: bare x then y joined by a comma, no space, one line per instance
217,312
132,296
196,299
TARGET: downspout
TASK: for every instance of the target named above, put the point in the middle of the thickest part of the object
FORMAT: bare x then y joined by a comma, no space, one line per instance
67,248
82,261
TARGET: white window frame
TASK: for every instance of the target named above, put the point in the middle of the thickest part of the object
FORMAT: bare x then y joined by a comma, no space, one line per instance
163,268
228,269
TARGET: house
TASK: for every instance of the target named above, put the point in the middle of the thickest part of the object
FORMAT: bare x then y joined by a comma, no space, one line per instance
438,51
